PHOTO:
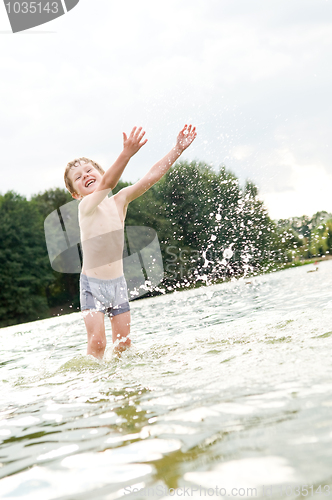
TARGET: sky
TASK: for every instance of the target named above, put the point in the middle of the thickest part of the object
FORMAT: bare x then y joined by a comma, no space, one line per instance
254,77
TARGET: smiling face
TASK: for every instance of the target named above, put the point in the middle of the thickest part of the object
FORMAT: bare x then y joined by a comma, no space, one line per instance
85,178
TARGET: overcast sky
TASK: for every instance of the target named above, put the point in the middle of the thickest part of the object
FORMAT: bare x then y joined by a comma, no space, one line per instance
255,77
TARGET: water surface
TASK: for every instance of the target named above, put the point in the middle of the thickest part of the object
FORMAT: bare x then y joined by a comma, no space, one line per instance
226,386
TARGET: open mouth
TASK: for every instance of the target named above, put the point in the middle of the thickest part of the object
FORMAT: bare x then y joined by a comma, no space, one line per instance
91,181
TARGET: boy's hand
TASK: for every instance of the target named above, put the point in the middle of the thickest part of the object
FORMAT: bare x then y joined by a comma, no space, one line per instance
186,137
133,143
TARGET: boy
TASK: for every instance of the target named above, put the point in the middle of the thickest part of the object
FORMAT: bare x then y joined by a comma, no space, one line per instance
103,288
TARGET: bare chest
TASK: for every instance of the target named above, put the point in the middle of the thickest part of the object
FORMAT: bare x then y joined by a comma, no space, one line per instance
108,216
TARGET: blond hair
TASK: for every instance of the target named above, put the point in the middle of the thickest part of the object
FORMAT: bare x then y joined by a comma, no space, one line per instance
76,163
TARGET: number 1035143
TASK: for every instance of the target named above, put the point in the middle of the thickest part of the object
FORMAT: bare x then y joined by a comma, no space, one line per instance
32,7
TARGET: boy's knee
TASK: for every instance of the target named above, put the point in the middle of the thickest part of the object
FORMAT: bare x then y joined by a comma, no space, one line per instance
97,343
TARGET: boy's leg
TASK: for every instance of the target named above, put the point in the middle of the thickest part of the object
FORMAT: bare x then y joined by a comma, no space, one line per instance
95,327
121,330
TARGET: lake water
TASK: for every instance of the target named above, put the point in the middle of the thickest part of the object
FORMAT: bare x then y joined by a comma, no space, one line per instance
226,388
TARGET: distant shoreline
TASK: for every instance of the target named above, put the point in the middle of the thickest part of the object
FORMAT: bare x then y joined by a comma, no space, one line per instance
307,261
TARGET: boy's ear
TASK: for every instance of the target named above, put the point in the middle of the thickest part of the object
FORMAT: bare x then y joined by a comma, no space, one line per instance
77,196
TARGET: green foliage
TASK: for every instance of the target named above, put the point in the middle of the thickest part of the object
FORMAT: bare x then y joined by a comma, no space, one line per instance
209,213
321,239
50,200
64,288
24,266
306,237
290,245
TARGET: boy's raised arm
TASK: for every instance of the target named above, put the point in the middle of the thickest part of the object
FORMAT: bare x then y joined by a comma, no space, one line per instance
184,139
111,177
131,145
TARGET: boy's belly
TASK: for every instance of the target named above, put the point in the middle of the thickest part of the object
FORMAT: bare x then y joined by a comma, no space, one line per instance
108,272
102,255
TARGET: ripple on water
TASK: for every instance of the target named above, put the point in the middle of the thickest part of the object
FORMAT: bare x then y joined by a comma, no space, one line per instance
224,385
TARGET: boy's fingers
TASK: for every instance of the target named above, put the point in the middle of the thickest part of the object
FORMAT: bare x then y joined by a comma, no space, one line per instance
138,131
141,136
124,136
132,132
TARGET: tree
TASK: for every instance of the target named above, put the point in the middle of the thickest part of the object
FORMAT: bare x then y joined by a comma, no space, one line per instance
24,267
212,217
64,288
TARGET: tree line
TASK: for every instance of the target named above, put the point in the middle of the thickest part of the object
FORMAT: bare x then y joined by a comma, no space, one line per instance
306,237
210,229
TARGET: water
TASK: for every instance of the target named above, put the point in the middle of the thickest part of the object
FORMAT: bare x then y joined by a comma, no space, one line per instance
227,386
